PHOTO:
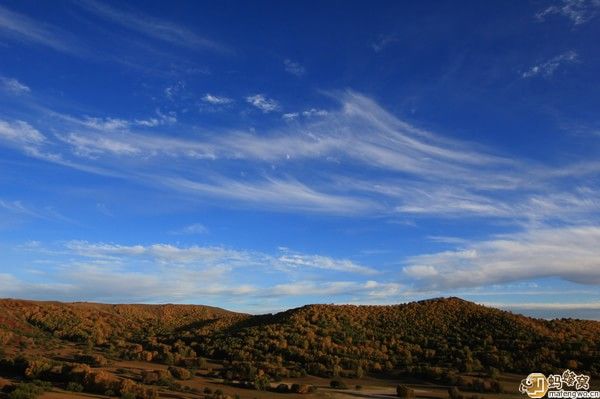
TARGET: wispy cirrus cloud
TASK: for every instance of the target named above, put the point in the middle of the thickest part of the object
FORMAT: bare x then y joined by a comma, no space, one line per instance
15,206
367,289
173,91
13,86
314,112
191,229
92,147
152,27
424,174
114,124
216,100
308,113
290,116
20,27
28,210
577,11
275,193
322,262
106,123
21,133
382,42
294,68
547,68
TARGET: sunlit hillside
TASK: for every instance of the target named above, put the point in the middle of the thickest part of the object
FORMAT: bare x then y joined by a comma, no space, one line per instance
445,342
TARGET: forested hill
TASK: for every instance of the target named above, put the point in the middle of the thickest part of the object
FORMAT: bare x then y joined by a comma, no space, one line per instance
433,338
100,323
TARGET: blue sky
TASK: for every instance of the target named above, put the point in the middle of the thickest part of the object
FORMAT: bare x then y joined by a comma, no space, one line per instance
263,155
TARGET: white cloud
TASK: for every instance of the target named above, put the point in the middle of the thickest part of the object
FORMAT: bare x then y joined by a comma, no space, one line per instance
150,122
90,282
215,256
578,11
570,253
447,240
98,283
16,207
92,146
20,132
275,193
110,272
166,118
290,116
216,100
314,112
383,42
548,68
192,229
293,68
103,209
322,262
263,103
174,90
106,123
13,86
335,288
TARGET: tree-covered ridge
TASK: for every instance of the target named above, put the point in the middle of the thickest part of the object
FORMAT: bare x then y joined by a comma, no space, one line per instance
437,338
101,323
448,334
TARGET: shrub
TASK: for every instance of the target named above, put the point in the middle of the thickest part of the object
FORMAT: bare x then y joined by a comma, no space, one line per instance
26,391
262,383
158,377
45,385
282,388
36,368
454,393
496,386
303,388
402,391
338,384
74,387
101,381
180,373
92,360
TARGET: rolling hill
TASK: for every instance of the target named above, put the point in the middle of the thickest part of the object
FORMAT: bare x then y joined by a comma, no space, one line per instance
448,340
